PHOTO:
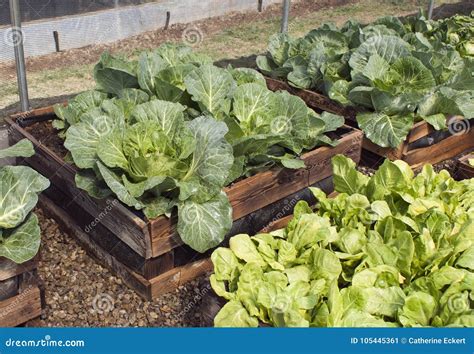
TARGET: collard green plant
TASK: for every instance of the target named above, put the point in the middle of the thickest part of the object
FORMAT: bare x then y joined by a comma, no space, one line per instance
389,250
20,185
399,73
171,130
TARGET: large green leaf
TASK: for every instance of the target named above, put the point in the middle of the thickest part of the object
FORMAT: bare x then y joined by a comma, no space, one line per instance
82,103
212,88
389,48
19,189
115,74
21,243
82,139
278,48
168,115
384,130
233,314
23,148
149,65
346,178
251,105
203,225
116,185
213,157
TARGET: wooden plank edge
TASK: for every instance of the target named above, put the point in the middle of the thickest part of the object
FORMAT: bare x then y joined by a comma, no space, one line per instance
9,269
136,223
67,225
464,170
21,308
148,289
443,150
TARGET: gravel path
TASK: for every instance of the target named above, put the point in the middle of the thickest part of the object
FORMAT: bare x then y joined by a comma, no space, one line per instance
79,292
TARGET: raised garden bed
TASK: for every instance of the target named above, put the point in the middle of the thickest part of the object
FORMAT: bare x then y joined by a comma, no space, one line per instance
423,145
20,293
465,169
148,254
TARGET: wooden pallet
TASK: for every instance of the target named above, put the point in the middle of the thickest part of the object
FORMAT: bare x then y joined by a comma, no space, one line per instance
423,145
151,249
20,293
464,169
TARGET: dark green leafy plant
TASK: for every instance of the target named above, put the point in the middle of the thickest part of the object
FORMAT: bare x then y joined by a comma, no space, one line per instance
171,130
392,250
399,73
20,236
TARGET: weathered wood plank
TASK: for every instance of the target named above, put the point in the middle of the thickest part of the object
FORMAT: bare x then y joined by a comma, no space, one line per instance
465,169
9,288
21,308
418,131
445,149
9,269
69,226
107,240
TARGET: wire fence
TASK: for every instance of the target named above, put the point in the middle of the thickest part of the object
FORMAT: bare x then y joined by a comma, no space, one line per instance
50,26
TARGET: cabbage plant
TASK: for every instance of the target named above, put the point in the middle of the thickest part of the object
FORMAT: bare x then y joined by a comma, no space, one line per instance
171,130
20,235
396,73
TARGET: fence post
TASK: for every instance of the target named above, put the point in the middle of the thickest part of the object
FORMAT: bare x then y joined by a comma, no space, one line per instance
430,9
17,40
286,15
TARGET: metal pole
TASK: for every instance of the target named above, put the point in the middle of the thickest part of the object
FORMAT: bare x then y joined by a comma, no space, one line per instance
430,9
17,41
286,15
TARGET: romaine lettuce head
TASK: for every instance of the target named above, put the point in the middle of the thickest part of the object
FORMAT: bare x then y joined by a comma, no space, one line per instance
392,250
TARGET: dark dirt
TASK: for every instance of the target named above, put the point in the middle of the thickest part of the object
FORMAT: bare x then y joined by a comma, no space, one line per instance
48,136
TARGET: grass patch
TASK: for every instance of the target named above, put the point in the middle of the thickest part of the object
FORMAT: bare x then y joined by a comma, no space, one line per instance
235,41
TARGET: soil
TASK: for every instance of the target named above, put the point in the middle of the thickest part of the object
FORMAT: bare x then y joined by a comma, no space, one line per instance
48,136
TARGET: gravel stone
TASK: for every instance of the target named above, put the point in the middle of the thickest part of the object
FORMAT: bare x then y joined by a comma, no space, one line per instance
81,293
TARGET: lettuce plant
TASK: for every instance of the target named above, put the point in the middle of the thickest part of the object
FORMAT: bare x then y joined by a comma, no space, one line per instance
20,235
391,250
398,73
170,130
